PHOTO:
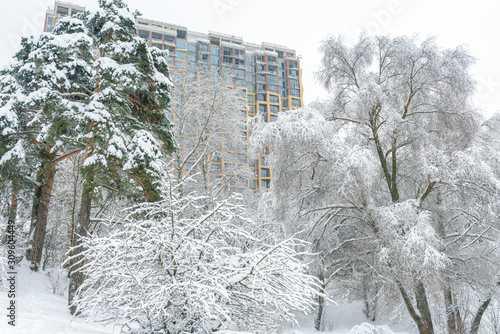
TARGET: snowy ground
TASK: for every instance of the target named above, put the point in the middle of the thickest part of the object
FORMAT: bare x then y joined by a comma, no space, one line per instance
40,311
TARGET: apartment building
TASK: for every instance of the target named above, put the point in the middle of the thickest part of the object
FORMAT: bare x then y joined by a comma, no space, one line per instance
269,74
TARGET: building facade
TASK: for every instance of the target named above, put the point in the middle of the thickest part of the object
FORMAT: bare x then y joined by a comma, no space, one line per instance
269,74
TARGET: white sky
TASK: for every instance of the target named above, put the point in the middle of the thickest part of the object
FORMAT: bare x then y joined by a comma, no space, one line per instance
303,24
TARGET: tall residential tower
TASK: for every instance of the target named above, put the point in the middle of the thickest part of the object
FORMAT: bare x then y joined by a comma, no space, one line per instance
269,74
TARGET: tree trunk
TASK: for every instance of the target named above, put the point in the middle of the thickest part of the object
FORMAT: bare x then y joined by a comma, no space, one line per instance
75,275
424,320
479,315
321,305
40,214
370,310
423,307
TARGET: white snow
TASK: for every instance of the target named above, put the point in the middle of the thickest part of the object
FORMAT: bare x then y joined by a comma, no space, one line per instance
41,312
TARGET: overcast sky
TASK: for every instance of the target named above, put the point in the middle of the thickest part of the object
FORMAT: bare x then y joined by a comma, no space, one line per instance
303,24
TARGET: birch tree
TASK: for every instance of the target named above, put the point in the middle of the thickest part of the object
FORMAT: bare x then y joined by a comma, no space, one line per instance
390,170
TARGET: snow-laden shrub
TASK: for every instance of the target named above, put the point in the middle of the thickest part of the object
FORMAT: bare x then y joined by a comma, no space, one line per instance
184,265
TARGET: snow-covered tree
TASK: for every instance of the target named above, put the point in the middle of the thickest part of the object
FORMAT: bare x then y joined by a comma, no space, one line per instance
122,122
209,114
39,101
180,266
90,87
389,172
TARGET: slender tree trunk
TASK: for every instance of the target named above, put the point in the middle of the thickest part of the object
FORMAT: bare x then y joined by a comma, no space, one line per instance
321,305
479,315
370,310
426,326
76,277
13,204
40,213
423,320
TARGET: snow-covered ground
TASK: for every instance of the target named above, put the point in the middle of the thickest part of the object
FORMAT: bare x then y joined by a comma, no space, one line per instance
41,311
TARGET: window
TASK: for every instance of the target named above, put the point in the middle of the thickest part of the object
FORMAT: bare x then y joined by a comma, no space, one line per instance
281,65
75,11
215,168
157,37
261,97
283,93
294,73
214,51
282,74
273,89
264,172
272,79
203,47
240,83
251,162
251,88
251,184
265,184
263,161
261,88
214,61
239,53
249,59
144,34
182,34
240,73
62,11
262,108
239,63
295,92
242,158
181,44
169,39
250,98
191,48
249,78
295,102
274,99
294,83
284,103
180,55
249,68
204,58
261,68
274,108
228,52
191,57
273,118
260,58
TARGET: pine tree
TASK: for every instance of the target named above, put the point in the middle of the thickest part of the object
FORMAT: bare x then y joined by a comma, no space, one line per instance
122,124
40,97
